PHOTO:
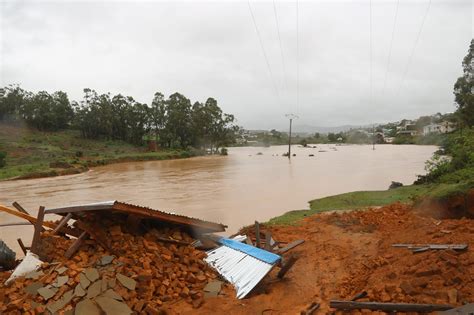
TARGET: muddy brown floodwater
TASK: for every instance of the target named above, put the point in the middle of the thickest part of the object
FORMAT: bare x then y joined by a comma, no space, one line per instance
235,190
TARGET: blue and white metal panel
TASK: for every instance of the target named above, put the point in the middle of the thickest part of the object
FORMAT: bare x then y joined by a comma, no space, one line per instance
242,265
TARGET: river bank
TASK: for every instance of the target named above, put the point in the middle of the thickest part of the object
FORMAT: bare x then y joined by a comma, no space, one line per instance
36,154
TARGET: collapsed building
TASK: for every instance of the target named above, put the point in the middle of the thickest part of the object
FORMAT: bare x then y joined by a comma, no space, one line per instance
117,258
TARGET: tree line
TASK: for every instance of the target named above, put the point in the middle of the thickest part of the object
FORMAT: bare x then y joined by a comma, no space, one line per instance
174,122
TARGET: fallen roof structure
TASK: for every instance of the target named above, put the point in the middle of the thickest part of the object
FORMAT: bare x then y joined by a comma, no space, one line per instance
241,264
142,212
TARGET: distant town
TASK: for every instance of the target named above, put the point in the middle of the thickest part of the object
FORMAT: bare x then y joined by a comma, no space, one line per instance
423,130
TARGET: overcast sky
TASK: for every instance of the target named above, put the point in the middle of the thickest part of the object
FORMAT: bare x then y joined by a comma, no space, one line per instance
211,49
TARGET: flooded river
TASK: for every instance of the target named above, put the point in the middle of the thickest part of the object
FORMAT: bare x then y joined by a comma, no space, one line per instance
235,190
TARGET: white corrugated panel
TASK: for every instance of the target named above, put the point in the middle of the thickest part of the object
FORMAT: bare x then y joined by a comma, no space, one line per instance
240,269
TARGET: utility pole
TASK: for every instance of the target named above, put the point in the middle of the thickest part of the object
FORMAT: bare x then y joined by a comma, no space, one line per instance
373,137
291,117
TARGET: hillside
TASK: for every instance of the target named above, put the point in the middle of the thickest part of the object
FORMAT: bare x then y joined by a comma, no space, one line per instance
32,153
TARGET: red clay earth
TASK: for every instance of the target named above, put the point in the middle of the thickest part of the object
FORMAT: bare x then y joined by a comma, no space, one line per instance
343,255
347,253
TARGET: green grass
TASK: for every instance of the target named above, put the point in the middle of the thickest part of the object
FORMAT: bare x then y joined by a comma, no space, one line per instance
30,152
354,200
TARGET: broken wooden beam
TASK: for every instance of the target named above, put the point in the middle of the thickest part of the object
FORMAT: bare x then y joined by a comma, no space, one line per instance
22,246
75,246
62,223
257,234
27,217
37,234
416,248
290,246
166,240
286,266
310,309
14,223
19,207
388,307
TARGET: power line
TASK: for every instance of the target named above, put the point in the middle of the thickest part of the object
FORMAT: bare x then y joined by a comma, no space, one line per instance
390,49
297,57
370,53
414,46
263,50
281,47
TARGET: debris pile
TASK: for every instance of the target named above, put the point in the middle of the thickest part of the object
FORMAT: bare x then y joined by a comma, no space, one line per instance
118,269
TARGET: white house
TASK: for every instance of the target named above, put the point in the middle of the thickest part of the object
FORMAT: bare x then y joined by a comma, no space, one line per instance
443,127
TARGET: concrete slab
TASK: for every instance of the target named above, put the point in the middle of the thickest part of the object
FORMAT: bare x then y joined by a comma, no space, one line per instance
87,307
113,307
127,282
92,274
94,290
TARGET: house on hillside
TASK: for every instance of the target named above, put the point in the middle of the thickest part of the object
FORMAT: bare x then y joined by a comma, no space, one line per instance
443,127
407,127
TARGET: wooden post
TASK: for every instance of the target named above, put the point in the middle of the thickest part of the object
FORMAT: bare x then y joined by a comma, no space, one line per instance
61,223
284,269
23,247
268,240
19,208
37,233
257,234
75,246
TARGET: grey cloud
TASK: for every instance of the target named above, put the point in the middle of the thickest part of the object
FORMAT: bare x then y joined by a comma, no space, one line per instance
210,48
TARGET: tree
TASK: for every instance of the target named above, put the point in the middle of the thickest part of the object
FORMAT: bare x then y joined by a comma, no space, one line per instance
11,100
47,112
464,89
157,116
178,124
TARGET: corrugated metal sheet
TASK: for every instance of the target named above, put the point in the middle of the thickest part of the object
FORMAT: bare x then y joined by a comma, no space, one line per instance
239,266
144,212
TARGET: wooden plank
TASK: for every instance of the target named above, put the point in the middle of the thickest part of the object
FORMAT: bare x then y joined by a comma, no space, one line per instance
22,246
467,309
290,246
268,240
433,246
388,307
286,266
19,207
165,240
37,234
62,223
15,223
75,246
257,234
311,309
27,217
33,220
